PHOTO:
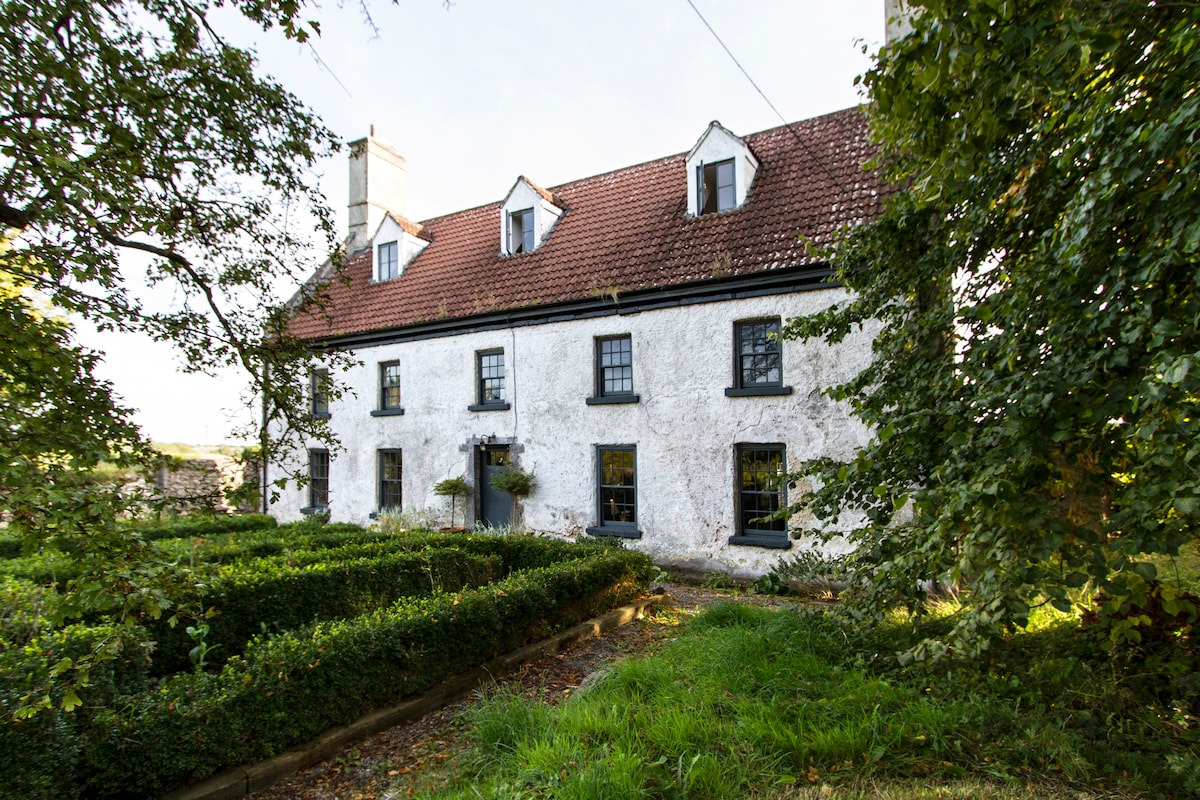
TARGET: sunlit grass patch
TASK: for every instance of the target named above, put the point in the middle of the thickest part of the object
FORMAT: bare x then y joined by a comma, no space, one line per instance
749,702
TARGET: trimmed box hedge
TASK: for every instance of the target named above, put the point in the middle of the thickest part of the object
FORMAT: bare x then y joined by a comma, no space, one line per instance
288,688
257,598
184,527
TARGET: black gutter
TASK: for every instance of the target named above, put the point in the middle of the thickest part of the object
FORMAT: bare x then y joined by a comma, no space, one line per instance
760,284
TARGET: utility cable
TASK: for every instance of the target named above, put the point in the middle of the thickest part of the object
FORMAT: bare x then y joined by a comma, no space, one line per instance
763,94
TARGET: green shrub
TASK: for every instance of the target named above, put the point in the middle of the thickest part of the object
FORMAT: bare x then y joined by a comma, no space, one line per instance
201,525
278,593
10,547
514,482
42,755
256,597
288,688
288,538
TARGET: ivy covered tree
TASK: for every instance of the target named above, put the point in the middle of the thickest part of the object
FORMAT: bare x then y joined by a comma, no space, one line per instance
1036,378
138,146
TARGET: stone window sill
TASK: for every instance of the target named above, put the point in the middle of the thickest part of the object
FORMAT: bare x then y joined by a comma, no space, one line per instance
774,542
613,399
629,532
489,407
758,391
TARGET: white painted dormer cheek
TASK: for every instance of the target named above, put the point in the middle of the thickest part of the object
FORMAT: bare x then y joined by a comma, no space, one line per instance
394,249
526,219
720,171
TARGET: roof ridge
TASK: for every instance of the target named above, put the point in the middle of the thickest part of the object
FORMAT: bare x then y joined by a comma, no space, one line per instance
554,190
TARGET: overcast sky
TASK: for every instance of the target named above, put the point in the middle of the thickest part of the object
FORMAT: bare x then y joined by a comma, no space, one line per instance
477,92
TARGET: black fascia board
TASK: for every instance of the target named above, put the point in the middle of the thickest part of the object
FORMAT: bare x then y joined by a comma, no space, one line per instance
759,284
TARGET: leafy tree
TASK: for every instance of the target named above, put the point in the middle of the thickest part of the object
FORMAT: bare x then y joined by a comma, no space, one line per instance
134,139
1037,368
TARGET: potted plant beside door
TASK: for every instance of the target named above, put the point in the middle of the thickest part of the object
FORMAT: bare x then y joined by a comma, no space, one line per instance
516,484
453,488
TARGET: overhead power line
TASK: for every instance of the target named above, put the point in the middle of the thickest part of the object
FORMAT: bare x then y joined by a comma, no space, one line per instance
763,95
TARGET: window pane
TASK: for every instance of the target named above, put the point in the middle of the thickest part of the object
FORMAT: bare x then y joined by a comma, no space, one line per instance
618,491
320,391
527,231
491,377
725,195
715,187
388,261
318,478
616,365
390,474
389,385
520,231
759,359
761,493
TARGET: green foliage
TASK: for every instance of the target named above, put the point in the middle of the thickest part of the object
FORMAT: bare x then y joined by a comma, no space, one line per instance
198,633
55,565
807,573
403,521
453,488
205,525
790,699
242,600
138,147
289,687
514,481
1034,287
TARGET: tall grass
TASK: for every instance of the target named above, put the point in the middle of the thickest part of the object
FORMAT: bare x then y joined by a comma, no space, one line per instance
748,702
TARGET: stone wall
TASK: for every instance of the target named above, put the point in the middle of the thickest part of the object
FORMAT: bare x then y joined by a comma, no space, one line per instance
203,483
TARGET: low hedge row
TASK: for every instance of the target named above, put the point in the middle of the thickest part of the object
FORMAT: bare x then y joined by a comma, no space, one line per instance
285,539
40,753
275,594
45,566
184,527
289,688
258,597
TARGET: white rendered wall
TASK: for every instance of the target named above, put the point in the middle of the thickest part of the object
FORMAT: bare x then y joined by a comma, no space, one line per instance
684,426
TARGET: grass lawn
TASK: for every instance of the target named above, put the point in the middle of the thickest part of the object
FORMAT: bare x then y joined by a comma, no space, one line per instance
748,702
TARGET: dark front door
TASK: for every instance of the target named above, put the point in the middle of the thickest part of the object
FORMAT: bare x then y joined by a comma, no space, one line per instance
495,507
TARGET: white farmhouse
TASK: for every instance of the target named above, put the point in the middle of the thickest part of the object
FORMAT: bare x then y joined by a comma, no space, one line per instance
614,335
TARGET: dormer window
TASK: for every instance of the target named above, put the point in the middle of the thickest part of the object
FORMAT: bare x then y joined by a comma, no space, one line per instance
720,170
520,231
715,183
398,242
527,217
387,259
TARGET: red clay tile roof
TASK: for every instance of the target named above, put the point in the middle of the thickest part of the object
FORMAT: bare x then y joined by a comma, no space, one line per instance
547,196
626,230
411,228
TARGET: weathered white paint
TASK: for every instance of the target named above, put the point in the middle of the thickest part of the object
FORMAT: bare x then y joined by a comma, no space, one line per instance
720,144
898,18
520,197
377,179
684,426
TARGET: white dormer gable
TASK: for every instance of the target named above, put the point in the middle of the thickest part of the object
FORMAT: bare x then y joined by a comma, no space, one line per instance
720,171
527,216
395,245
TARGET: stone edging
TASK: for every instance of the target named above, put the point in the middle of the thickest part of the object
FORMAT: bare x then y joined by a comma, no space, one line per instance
241,781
